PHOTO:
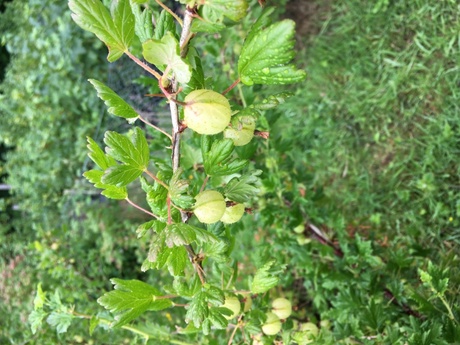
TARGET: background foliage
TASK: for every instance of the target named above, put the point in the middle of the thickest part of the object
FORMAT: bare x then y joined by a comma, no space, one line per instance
360,175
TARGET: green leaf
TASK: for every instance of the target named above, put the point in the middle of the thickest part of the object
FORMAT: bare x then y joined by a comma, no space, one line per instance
130,299
177,260
116,105
217,318
109,191
121,175
40,297
197,310
266,277
134,153
177,188
273,101
116,31
93,323
61,321
218,160
98,156
166,52
241,189
165,24
36,318
266,54
156,196
234,10
143,22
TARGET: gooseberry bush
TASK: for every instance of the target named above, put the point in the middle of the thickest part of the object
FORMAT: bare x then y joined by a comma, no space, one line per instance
190,205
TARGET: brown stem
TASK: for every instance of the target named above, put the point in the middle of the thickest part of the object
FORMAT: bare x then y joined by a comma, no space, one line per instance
235,83
143,65
204,183
141,209
230,341
167,9
154,127
156,179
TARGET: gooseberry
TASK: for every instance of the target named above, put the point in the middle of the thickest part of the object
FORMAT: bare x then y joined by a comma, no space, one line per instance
233,214
206,111
242,130
232,303
272,325
282,307
209,206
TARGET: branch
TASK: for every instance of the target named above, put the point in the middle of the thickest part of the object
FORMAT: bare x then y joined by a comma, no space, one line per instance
140,208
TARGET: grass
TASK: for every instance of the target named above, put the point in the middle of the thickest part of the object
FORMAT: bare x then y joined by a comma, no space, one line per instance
380,114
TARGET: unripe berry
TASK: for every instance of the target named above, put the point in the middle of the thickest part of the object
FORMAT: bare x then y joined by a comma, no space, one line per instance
272,325
206,112
307,333
209,206
233,214
242,132
282,307
232,303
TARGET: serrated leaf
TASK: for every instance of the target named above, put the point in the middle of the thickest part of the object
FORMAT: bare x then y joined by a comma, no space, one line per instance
197,310
134,153
273,101
93,323
40,297
156,196
143,21
265,278
166,53
241,189
121,175
109,191
216,250
130,299
36,318
267,52
116,30
98,156
154,225
177,260
116,105
218,160
165,24
234,10
217,318
196,81
177,189
61,321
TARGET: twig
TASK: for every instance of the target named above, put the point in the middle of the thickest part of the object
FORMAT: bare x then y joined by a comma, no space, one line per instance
230,341
167,9
154,127
235,83
143,65
141,209
204,183
156,179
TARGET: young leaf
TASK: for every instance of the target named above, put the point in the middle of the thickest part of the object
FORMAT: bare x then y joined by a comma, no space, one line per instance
98,156
109,191
121,175
40,298
273,101
156,196
234,10
36,318
61,321
218,160
165,24
177,189
197,310
130,299
241,189
266,54
116,105
116,31
134,153
265,278
166,52
143,22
